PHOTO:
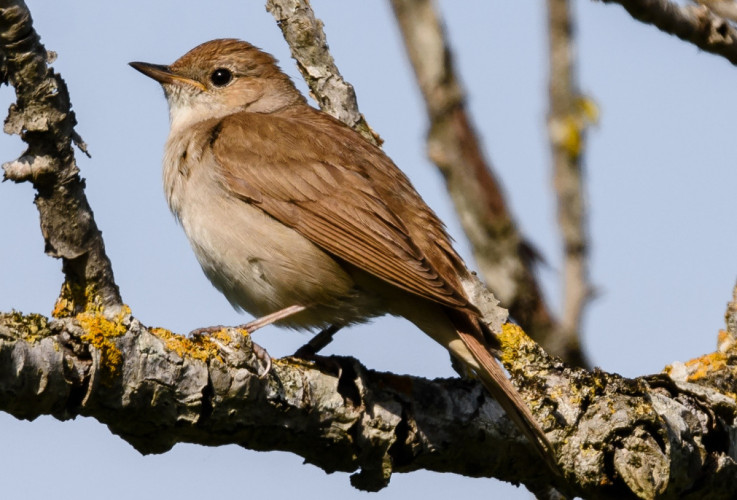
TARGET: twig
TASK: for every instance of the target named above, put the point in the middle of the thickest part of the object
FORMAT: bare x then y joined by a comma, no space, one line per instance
695,24
43,118
567,122
306,38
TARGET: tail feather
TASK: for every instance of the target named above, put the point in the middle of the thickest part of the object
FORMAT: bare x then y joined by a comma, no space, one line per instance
471,342
495,381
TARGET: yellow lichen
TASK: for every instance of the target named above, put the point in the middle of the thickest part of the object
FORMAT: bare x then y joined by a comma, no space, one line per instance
572,136
587,109
73,298
699,368
725,341
62,308
513,339
200,347
292,361
99,332
69,295
568,130
222,335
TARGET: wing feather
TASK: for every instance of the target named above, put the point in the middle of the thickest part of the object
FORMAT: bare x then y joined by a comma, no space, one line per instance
373,225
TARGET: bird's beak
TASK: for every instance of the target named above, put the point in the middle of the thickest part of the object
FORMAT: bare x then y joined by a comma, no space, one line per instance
164,74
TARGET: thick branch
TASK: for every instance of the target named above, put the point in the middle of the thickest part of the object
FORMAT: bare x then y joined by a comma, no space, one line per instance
567,122
505,259
306,38
43,118
616,438
694,24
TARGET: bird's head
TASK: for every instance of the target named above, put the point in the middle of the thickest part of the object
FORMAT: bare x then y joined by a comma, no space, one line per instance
219,78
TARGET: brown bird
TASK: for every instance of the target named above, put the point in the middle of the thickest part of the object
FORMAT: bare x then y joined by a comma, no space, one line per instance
286,206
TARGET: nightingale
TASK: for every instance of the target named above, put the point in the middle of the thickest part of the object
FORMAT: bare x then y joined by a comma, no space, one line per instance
286,207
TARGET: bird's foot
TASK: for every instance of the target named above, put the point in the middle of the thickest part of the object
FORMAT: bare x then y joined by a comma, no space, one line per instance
257,350
262,355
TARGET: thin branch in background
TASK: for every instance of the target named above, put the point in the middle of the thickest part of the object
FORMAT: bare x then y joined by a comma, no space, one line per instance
505,259
43,118
568,117
694,24
306,38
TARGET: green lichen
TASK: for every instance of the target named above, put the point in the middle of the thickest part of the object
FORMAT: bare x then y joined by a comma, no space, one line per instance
32,327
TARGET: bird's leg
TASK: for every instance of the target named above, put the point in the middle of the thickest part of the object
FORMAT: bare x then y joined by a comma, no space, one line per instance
317,343
254,325
272,318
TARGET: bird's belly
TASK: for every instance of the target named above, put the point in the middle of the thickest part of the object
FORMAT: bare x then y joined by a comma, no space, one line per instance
262,266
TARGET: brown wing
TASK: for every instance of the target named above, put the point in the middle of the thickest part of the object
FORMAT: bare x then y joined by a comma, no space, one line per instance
314,174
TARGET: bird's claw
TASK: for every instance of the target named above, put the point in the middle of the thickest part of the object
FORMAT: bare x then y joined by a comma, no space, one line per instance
258,351
262,355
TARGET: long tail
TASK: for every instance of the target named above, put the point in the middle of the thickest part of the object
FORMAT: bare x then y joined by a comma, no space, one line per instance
469,341
496,382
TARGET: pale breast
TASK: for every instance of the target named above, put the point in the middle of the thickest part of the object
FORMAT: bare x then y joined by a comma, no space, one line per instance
258,263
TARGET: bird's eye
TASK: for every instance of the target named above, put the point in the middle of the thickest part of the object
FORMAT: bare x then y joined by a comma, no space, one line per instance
221,77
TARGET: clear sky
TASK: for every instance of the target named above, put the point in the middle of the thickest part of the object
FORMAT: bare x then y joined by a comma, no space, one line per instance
661,190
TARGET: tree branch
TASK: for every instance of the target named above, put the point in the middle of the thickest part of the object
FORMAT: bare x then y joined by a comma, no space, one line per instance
43,118
694,24
306,38
567,121
615,437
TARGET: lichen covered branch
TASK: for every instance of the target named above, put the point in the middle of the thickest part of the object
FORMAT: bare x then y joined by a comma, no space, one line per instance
616,438
43,118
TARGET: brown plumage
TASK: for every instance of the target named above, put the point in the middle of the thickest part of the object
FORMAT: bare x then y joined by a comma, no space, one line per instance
284,205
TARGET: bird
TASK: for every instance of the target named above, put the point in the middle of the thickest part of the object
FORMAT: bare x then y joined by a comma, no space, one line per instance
288,209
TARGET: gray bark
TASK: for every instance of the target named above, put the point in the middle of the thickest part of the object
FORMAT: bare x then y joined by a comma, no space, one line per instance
651,437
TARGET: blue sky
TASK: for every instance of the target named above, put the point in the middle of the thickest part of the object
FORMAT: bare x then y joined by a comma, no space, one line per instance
661,190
